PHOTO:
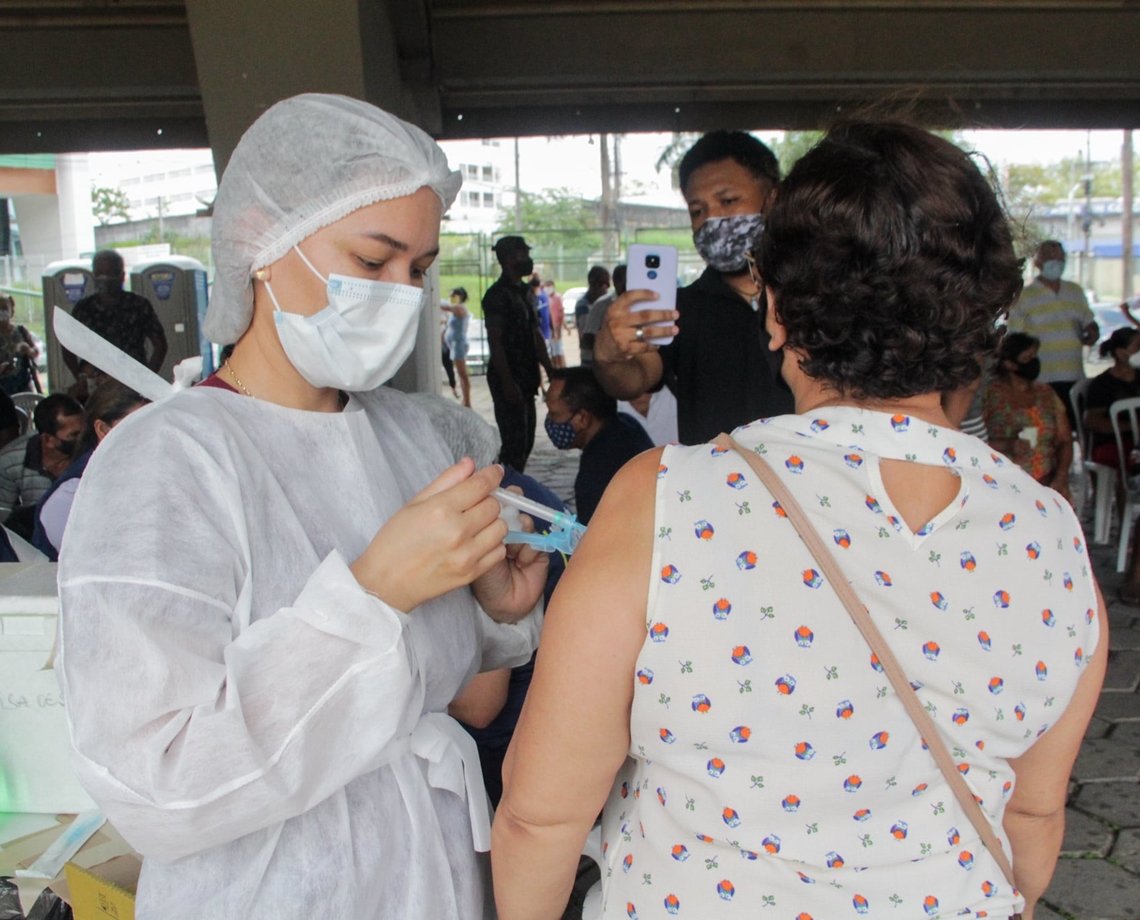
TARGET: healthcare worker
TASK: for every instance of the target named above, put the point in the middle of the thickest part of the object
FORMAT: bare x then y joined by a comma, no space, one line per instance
274,585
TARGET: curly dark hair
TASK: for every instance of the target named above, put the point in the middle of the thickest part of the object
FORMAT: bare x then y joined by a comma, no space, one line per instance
891,260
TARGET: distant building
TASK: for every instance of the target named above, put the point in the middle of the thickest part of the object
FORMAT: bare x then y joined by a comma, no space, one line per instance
488,191
184,184
1099,268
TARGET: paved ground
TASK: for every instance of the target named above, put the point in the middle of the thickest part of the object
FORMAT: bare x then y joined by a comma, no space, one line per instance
1098,877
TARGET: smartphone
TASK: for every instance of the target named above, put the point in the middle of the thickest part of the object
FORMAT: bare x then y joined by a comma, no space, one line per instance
653,268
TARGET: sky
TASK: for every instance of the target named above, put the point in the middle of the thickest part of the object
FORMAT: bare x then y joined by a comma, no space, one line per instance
573,162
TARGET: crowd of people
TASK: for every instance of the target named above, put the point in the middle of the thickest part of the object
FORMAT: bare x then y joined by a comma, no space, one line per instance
269,659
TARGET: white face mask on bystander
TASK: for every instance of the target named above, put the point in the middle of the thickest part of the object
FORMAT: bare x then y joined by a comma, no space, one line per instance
359,340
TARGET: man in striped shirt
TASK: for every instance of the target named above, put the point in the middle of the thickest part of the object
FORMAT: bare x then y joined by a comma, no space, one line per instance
1056,312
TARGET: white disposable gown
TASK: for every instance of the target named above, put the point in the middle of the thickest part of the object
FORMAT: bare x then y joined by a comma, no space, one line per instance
270,737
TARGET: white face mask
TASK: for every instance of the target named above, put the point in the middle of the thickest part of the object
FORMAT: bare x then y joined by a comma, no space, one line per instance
359,340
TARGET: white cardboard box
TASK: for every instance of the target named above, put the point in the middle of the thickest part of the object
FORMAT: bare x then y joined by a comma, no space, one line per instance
35,752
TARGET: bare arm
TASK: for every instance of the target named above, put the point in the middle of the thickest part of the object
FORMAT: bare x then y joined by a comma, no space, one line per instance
481,701
573,735
624,365
1035,816
1128,314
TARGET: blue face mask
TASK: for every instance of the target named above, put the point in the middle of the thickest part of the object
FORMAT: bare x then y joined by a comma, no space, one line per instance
1053,269
561,434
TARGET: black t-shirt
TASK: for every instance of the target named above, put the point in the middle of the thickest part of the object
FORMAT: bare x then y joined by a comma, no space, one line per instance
1105,389
127,324
719,366
619,442
509,307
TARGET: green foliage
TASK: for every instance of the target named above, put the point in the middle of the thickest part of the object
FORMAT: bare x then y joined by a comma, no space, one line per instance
681,237
109,205
1029,186
672,155
556,218
792,146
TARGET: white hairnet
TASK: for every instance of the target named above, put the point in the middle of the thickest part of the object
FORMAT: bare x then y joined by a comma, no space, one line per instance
305,163
463,430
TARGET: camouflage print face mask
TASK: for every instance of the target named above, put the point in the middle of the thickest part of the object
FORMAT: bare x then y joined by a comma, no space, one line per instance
725,242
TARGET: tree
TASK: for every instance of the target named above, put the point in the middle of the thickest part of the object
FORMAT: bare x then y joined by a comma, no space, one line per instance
556,217
109,205
672,155
1030,188
792,146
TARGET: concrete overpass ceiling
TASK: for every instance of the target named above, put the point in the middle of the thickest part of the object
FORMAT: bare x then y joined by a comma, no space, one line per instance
122,74
97,75
696,64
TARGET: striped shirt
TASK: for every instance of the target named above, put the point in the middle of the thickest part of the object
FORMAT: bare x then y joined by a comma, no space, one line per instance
1057,319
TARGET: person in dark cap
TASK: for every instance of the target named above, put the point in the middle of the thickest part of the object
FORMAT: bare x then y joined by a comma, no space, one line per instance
517,350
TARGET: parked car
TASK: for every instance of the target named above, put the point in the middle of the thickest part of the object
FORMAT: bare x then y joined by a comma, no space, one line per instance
570,298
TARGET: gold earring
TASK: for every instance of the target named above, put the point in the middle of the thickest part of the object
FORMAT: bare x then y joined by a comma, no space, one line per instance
262,274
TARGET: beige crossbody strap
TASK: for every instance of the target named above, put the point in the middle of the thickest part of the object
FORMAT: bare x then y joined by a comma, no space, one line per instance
874,638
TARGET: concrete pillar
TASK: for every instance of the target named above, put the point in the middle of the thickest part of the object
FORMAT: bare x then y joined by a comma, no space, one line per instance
73,189
252,54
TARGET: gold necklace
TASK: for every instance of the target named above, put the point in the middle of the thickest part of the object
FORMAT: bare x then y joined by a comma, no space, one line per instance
237,379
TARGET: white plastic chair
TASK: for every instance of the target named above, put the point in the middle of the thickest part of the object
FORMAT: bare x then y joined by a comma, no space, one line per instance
1120,409
1097,478
26,402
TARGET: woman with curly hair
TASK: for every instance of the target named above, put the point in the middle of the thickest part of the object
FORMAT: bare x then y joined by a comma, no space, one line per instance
1026,420
700,676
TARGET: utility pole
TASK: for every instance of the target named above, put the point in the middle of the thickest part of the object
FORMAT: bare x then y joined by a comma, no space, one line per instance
617,192
1086,218
608,249
1126,213
518,192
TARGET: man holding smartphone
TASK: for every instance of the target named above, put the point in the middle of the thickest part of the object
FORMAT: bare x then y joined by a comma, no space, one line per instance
718,365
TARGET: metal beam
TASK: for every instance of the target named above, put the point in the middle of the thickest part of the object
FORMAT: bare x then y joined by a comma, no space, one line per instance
106,74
